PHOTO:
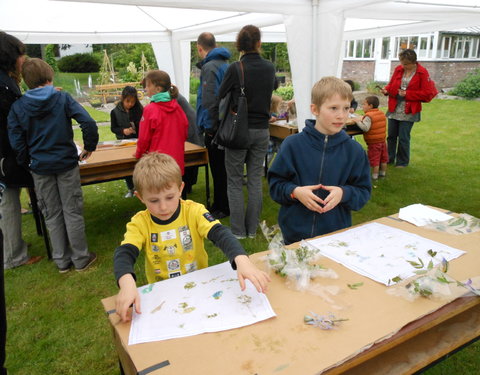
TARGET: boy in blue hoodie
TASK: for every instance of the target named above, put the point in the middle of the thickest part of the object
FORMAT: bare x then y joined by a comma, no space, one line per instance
320,174
40,131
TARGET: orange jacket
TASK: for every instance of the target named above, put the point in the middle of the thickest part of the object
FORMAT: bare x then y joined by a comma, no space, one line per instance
378,129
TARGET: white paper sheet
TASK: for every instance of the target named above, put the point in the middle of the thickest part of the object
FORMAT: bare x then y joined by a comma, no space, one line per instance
420,215
381,252
207,300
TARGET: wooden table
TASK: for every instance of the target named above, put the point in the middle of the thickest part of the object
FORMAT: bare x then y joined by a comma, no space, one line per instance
111,162
284,345
281,130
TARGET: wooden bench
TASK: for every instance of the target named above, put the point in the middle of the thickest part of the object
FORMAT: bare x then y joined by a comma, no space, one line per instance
115,90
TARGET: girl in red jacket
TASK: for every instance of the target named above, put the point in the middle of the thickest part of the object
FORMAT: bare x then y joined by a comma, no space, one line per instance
164,126
409,86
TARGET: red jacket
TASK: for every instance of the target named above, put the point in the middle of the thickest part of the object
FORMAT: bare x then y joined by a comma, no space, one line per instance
163,128
418,90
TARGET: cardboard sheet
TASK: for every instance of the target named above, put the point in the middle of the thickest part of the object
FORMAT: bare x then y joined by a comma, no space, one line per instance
285,345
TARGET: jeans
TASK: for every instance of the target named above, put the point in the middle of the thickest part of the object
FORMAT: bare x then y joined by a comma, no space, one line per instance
245,222
60,199
399,142
14,247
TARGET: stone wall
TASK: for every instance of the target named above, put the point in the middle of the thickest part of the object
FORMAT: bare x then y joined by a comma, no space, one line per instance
445,73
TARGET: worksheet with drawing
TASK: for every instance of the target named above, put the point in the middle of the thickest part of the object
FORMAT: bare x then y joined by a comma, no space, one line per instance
381,252
207,300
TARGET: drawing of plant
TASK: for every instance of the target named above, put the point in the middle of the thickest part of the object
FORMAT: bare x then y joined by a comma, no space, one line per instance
185,309
209,316
246,301
218,294
147,289
190,285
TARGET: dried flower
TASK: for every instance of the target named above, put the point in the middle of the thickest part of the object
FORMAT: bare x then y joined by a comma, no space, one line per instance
327,322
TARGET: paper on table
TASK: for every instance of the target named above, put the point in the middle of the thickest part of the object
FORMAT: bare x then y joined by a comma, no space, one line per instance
420,215
381,252
208,300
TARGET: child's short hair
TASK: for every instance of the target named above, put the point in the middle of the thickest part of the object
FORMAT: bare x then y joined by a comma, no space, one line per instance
159,78
155,172
328,87
36,72
129,91
373,101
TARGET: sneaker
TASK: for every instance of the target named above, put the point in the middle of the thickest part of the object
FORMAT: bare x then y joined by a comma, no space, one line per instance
252,236
239,237
91,260
66,268
129,194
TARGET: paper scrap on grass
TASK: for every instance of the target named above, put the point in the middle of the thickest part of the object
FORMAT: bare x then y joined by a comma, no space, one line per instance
420,215
208,300
381,252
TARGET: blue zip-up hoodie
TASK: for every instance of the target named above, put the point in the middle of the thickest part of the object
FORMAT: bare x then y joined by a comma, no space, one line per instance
312,158
213,68
40,130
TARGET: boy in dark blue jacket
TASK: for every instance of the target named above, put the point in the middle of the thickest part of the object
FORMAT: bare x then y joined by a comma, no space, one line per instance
40,131
320,174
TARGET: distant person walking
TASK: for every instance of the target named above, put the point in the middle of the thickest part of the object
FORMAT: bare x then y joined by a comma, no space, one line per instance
408,87
213,66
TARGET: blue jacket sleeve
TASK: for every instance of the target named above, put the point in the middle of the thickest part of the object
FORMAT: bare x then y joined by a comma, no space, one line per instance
87,123
357,190
282,176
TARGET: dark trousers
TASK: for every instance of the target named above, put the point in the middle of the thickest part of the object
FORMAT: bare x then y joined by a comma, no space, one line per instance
216,159
3,314
399,142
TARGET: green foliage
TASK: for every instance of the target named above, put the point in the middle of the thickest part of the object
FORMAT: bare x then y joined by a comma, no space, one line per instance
65,80
469,87
79,63
50,56
123,54
373,87
286,92
194,84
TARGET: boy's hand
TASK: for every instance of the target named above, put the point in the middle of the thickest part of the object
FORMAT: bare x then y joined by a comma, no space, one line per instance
84,155
308,198
247,270
128,294
332,199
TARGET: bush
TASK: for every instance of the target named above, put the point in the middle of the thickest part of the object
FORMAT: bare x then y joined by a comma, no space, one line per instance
194,83
372,87
469,87
286,92
79,63
50,57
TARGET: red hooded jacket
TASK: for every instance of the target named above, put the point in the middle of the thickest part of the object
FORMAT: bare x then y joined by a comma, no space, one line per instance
420,89
163,128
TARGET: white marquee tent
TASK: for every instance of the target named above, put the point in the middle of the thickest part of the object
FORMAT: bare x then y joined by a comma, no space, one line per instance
313,29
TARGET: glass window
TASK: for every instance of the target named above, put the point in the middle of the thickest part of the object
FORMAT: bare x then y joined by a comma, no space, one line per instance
466,47
359,49
413,42
385,48
446,46
367,50
422,51
351,45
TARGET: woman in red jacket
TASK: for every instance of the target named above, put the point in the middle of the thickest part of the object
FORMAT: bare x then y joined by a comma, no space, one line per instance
409,86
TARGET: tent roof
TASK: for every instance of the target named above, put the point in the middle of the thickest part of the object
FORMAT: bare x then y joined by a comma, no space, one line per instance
116,21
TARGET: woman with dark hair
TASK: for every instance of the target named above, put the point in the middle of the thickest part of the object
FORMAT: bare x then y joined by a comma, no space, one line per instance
259,80
408,87
13,176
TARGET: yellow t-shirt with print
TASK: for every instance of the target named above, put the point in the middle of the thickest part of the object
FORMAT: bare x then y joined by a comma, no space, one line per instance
172,249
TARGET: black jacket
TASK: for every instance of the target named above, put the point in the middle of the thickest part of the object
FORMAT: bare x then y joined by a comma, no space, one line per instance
121,119
259,81
11,174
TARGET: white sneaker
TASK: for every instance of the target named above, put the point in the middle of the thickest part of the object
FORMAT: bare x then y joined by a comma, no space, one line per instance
129,194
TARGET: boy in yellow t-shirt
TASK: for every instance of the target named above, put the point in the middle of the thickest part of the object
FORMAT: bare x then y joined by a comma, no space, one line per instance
171,232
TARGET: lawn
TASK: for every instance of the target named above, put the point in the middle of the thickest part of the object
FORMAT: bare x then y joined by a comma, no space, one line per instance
57,324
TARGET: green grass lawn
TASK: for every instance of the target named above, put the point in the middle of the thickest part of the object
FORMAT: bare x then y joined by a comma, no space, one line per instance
57,324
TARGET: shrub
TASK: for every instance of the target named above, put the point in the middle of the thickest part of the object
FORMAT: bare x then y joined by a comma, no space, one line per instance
79,63
372,87
286,92
194,83
469,87
50,57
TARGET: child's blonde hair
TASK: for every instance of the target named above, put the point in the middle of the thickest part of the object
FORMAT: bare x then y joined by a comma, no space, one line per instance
275,104
155,172
328,87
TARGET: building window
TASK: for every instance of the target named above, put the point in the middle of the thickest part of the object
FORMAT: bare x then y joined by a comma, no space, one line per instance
460,47
385,48
359,49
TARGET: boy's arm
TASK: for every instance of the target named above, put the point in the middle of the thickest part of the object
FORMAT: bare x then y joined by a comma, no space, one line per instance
363,123
114,127
223,238
87,123
123,261
143,143
281,175
356,192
